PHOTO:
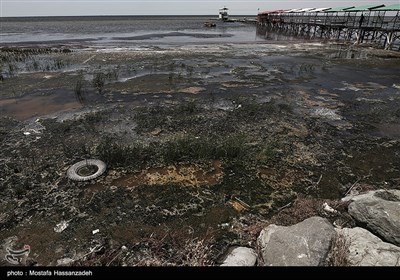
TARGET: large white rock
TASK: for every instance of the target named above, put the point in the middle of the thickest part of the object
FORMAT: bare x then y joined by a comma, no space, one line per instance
379,212
304,244
366,249
241,256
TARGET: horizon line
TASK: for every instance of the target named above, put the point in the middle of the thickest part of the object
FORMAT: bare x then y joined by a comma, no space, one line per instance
147,15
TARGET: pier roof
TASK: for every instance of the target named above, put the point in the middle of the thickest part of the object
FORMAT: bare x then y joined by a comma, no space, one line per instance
305,10
338,9
364,8
272,12
293,11
393,7
320,10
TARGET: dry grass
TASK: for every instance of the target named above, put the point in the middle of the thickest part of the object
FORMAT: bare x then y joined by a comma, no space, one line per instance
301,209
169,249
111,257
339,253
173,249
305,207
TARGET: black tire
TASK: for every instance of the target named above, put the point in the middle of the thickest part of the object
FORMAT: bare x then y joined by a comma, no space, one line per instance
72,172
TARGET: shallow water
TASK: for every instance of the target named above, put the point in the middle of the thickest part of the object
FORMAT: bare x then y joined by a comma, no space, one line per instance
112,31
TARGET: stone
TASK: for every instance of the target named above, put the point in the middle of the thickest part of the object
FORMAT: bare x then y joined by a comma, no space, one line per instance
366,249
241,256
304,244
379,212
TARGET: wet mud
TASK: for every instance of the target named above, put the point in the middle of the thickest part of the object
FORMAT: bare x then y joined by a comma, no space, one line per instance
198,141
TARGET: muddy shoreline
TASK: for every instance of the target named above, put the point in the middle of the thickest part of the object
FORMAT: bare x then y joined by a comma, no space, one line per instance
204,145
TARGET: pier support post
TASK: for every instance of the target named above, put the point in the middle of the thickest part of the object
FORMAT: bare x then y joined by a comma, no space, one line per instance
389,40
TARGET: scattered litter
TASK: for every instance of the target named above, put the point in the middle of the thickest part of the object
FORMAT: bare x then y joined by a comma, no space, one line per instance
95,231
96,248
64,261
73,171
327,113
60,227
348,86
34,127
336,225
243,203
224,225
236,205
329,209
156,131
362,99
285,206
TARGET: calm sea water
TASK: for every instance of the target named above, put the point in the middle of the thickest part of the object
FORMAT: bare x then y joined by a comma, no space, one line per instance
123,30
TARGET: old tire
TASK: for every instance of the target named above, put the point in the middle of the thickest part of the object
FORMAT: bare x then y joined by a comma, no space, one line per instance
73,171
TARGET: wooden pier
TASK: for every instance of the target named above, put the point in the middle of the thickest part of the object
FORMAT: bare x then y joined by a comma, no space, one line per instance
375,24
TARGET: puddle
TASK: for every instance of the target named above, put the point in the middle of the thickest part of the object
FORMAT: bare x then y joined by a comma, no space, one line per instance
369,86
185,174
31,106
346,53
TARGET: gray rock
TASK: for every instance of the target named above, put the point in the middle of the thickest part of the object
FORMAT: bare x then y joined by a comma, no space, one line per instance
357,196
366,249
379,212
304,244
241,256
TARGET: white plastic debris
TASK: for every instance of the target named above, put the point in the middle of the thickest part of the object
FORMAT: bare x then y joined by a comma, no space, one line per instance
60,227
64,261
224,225
95,231
329,209
27,133
327,113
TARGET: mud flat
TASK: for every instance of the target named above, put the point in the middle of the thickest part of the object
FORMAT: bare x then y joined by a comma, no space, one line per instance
204,145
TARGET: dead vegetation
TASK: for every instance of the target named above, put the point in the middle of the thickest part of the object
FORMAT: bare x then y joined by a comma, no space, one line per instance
177,248
339,253
305,207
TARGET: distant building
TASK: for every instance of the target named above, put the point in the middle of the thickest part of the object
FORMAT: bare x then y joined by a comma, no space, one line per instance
223,14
